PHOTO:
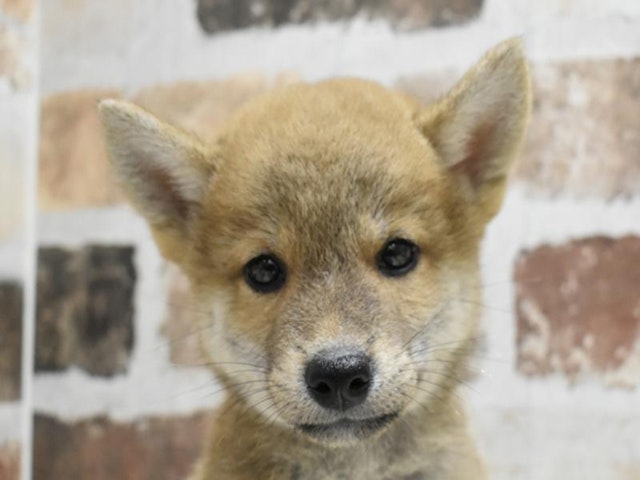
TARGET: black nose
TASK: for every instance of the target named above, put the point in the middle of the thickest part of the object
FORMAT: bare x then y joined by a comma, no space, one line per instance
339,380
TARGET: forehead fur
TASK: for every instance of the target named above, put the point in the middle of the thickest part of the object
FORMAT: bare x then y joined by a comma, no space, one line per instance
334,160
311,161
332,123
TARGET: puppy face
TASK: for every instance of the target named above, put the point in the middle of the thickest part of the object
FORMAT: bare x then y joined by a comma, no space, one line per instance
353,226
331,234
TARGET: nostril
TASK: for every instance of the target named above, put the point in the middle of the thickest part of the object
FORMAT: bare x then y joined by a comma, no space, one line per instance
358,385
322,388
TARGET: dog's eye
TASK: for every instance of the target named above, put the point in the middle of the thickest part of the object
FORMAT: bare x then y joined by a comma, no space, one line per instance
265,273
397,257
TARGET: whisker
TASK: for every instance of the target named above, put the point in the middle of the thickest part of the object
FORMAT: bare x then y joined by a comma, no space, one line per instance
439,387
426,363
441,399
472,354
228,387
255,405
259,368
424,407
270,420
452,376
194,389
246,400
424,327
187,306
484,305
177,339
497,283
437,346
470,370
403,420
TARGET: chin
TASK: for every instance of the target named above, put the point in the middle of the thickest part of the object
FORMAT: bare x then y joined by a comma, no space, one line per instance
346,431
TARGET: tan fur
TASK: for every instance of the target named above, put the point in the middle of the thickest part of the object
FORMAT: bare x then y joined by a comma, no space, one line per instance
322,176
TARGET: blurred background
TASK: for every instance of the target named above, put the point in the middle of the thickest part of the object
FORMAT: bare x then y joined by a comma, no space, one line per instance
110,386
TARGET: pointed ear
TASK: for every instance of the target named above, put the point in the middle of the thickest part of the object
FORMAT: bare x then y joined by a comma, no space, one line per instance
163,170
477,128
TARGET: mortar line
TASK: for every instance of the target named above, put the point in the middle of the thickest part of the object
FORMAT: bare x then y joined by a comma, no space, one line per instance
30,254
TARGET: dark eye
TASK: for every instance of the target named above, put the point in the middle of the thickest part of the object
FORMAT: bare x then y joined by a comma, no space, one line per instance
265,273
397,257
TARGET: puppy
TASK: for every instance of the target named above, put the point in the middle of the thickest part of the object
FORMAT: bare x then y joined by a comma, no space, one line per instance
331,234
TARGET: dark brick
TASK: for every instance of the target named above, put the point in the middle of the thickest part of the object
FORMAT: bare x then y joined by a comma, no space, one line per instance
10,340
578,309
220,15
85,309
99,449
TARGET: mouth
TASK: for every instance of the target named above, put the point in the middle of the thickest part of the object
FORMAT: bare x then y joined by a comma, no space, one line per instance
347,428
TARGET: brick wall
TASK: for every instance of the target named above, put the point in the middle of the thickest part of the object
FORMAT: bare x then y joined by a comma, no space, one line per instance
18,107
118,390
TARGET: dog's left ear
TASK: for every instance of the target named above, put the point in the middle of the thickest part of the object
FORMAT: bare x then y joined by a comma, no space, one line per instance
477,128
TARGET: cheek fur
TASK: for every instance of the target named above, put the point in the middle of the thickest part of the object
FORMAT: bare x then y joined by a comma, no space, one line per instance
237,358
265,352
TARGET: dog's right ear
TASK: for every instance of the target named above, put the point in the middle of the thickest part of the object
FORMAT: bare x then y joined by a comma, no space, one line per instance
164,171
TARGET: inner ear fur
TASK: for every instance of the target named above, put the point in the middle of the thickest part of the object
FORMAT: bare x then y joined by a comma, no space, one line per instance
163,170
478,127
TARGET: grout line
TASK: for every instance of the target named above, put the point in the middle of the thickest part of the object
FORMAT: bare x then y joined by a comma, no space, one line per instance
31,252
357,47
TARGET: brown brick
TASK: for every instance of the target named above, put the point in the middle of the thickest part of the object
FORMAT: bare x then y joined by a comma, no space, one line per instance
220,15
18,9
13,51
578,309
202,107
10,340
11,190
9,461
584,138
629,471
74,170
180,325
85,309
428,87
99,449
